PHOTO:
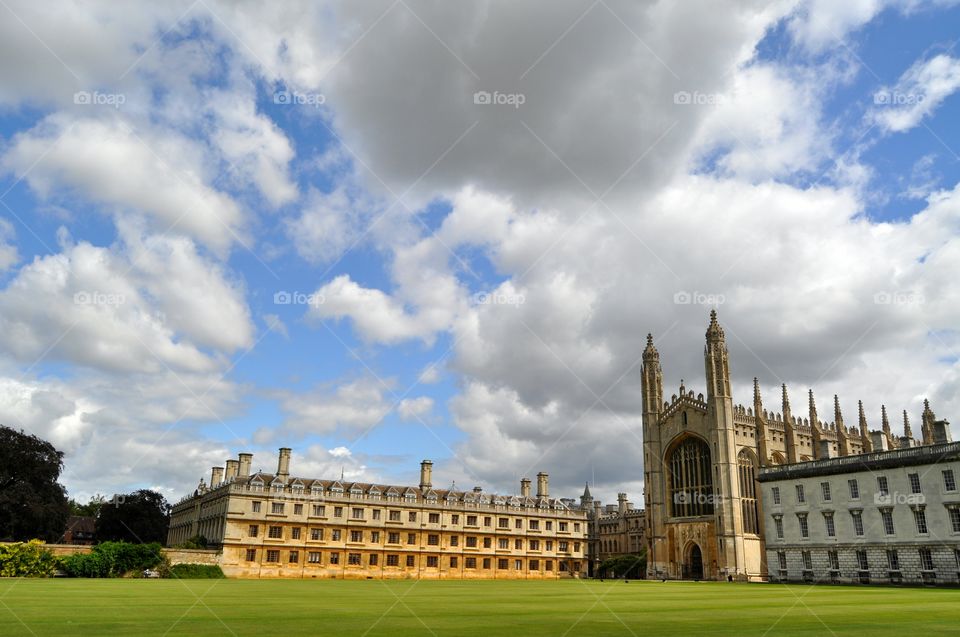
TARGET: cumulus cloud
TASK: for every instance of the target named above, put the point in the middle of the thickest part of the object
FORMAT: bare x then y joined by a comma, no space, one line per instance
917,94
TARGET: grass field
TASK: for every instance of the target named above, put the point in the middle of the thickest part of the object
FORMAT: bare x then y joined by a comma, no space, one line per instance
297,607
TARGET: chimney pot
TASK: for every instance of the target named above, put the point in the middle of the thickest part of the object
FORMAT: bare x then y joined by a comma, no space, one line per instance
426,475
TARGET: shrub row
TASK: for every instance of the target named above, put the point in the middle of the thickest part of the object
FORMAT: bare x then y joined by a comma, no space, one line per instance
26,559
113,559
195,571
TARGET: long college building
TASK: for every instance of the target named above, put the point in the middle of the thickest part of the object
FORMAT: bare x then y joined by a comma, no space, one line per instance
276,525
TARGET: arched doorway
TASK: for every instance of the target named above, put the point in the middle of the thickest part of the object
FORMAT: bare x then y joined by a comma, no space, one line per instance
693,564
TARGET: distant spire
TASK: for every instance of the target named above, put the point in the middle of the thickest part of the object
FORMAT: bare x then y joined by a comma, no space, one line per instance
586,490
756,394
650,352
714,331
837,416
341,473
814,419
884,421
866,443
907,432
786,402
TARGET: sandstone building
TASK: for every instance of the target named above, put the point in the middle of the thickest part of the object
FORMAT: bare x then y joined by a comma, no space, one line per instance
277,525
615,530
702,455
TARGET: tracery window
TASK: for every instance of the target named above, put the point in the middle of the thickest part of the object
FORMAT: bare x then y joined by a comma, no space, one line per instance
691,484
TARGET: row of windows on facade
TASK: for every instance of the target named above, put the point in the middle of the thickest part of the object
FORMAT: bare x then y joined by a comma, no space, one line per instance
395,515
394,537
883,487
886,518
272,556
863,563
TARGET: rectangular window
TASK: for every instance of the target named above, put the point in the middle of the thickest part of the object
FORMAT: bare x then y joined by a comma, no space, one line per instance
253,530
857,522
503,523
295,533
563,527
432,561
276,532
353,559
955,518
394,516
251,555
549,524
534,525
373,559
862,563
563,547
411,538
294,557
518,523
334,558
834,558
854,489
454,540
319,510
576,527
393,560
949,481
893,560
801,498
335,535
470,562
375,537
471,520
782,560
486,563
455,518
518,565
276,507
313,557
434,518
775,491
831,527
915,483
807,560
411,561
471,542
433,539
825,491
518,544
926,560
356,536
549,545
273,555
534,545
920,517
255,507
804,529
393,538
956,557
534,565
356,513
487,520
887,516
453,561
412,516
338,512
778,522
298,509
487,542
503,563
503,543
376,514
883,487
549,565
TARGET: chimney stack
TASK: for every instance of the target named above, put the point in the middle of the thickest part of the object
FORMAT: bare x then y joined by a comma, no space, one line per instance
231,472
543,485
216,476
283,463
622,502
426,475
525,487
478,489
246,459
826,450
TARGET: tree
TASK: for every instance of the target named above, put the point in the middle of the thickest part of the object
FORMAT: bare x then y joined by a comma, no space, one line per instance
90,509
141,516
32,503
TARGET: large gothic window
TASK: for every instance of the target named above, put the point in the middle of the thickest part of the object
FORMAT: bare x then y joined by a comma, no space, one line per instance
691,486
748,491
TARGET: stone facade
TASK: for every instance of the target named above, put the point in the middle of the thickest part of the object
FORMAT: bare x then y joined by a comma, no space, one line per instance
702,454
884,517
275,525
614,530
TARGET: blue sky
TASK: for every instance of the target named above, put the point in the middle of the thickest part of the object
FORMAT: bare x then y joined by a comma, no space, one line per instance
476,241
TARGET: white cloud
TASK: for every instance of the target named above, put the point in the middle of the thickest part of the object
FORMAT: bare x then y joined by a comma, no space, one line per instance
9,255
917,94
410,408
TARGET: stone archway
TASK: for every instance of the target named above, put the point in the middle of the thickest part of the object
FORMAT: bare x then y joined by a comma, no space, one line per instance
693,562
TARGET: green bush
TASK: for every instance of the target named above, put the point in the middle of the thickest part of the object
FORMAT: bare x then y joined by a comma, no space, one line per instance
26,559
113,559
196,542
195,571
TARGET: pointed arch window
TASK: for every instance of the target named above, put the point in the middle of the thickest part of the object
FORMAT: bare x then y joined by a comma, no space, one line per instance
691,483
747,469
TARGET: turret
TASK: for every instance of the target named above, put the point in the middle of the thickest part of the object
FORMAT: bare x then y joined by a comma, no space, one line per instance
816,431
760,424
843,436
864,430
907,440
885,427
716,361
926,423
426,475
651,381
790,437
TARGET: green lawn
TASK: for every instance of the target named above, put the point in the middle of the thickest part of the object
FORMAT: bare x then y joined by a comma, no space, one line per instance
297,607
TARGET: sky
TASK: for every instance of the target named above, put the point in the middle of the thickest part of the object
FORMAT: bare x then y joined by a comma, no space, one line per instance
379,232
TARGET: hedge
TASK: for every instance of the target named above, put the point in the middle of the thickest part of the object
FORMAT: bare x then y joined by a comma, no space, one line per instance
196,571
26,559
113,559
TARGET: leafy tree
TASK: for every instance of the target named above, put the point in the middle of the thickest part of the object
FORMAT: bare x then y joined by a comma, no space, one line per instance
32,503
626,566
113,559
142,516
90,509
